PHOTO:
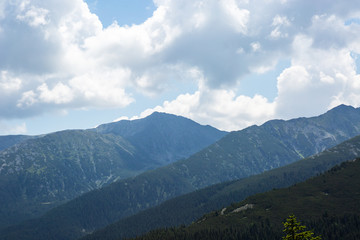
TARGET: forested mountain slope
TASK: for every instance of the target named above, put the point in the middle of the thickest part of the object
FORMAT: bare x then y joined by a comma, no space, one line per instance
329,204
40,173
190,207
237,155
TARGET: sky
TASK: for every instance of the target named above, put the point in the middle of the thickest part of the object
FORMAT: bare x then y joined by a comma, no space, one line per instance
74,64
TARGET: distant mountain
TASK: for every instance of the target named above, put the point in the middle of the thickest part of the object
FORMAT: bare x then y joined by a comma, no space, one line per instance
40,173
237,155
188,208
329,204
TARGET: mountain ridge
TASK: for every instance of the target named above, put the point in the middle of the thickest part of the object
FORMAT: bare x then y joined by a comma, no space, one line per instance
237,155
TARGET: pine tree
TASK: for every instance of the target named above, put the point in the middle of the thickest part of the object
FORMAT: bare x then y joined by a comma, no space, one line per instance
295,231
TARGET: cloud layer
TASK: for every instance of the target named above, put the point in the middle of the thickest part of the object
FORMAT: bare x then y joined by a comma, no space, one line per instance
56,55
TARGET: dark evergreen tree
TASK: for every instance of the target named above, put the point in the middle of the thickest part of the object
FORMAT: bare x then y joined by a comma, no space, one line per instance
295,231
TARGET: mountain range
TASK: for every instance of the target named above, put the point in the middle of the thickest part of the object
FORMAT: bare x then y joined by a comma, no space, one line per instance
188,208
40,172
237,155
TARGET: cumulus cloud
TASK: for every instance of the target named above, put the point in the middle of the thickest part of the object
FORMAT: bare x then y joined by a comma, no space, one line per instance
322,75
56,55
220,108
33,16
279,22
9,83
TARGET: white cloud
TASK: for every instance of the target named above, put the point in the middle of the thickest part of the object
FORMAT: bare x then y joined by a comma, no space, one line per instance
28,99
57,55
34,16
293,79
60,94
9,84
256,46
219,108
102,89
279,23
319,78
237,17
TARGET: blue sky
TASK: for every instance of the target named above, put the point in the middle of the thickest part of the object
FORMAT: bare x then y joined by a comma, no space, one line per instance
229,63
125,12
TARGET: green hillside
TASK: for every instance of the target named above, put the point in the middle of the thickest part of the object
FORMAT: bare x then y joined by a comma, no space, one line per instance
329,204
187,208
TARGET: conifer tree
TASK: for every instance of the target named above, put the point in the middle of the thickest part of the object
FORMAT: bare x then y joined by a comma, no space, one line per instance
295,231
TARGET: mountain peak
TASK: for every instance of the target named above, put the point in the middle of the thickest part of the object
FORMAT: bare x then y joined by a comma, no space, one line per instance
342,108
164,115
166,137
156,113
156,120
